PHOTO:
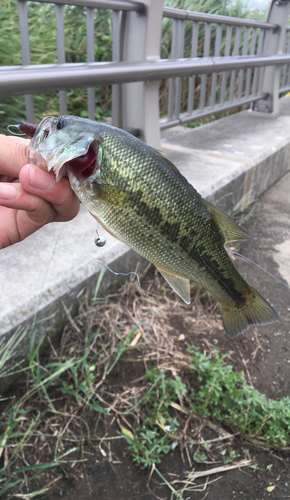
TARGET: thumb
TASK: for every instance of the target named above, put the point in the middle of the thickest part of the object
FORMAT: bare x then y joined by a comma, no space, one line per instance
14,154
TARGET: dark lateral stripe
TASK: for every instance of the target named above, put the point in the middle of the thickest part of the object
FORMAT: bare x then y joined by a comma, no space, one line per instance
200,254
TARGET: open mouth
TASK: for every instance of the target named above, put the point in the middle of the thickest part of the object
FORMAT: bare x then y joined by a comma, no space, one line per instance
83,166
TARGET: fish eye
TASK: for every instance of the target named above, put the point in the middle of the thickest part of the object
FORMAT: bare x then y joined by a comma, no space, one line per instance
60,124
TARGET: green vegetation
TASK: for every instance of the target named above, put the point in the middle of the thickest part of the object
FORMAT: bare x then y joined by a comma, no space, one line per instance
212,390
42,37
52,422
154,438
43,50
225,395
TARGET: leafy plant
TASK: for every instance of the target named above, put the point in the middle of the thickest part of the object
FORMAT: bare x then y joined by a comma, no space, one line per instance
225,395
155,437
149,446
219,393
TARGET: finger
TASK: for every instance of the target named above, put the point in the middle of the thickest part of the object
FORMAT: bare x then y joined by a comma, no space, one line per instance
15,197
59,194
30,221
21,214
15,225
14,154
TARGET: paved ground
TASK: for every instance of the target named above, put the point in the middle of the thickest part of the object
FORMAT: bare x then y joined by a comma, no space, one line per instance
269,246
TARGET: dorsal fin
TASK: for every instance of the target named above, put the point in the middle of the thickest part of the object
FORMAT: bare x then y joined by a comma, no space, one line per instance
231,231
161,155
180,285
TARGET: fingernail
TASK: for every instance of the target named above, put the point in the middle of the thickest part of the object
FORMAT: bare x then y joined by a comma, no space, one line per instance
40,180
7,192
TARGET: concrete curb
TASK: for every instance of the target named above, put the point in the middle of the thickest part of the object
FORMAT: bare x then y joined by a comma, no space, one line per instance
229,160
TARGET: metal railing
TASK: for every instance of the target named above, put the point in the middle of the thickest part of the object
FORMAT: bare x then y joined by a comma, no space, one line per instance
215,63
117,6
284,85
221,38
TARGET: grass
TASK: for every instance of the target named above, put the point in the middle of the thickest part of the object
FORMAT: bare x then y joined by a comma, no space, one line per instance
120,375
8,353
43,50
218,393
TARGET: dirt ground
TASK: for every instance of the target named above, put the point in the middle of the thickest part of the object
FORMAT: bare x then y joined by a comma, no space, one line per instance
263,354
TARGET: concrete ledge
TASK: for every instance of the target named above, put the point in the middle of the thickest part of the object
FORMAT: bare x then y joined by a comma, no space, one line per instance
234,158
238,157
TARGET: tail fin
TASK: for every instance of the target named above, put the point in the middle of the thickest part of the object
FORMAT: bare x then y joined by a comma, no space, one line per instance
256,311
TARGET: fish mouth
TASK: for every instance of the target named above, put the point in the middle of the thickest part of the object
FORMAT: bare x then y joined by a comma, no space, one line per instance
83,166
62,146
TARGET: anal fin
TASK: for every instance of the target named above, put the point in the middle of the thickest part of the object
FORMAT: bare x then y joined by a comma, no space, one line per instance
180,285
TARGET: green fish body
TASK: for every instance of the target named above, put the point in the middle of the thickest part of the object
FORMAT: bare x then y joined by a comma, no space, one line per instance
142,199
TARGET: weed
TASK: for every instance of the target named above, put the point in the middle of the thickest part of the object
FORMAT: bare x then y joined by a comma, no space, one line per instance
8,352
149,446
155,437
199,456
53,425
230,455
221,394
225,395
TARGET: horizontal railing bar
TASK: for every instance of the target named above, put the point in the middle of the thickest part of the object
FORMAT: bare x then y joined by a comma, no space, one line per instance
18,80
209,110
284,89
187,15
101,4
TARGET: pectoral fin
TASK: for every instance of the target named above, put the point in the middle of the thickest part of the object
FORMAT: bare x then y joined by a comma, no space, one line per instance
180,285
113,195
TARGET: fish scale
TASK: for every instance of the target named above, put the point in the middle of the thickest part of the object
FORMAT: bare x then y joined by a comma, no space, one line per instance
142,199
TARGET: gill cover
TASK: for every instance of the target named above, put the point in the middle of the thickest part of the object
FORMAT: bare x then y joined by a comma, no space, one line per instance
58,141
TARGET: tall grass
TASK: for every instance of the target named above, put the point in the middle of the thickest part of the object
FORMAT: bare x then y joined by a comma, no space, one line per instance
43,50
226,8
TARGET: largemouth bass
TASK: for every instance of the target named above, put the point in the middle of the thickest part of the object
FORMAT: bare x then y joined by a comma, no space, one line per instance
142,199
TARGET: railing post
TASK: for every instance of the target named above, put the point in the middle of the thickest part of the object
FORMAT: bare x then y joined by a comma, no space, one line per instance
273,44
142,42
25,52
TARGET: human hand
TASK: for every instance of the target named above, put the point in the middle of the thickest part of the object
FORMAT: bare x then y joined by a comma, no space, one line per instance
29,197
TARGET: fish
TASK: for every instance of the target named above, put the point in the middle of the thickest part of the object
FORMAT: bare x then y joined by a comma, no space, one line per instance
142,199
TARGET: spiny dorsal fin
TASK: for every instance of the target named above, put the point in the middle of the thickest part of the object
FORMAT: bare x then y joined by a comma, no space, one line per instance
231,231
180,285
161,155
